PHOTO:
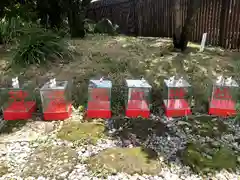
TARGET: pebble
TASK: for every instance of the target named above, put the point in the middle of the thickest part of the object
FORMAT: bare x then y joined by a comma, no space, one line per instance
16,154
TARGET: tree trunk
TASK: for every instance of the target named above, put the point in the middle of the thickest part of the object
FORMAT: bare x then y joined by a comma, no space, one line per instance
1,38
42,10
76,15
51,9
178,24
55,14
76,25
181,35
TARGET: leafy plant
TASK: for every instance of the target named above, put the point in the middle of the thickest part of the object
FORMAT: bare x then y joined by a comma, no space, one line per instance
89,25
106,26
237,118
37,45
10,29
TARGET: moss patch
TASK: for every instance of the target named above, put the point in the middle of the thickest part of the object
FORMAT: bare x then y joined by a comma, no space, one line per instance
204,158
128,160
89,132
50,161
204,126
3,169
12,126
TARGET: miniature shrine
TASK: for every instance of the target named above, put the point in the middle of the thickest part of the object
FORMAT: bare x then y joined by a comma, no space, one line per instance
176,97
223,97
138,98
17,102
99,98
56,100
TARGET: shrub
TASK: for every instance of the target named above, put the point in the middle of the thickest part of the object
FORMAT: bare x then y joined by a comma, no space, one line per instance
37,45
10,29
89,26
107,27
237,118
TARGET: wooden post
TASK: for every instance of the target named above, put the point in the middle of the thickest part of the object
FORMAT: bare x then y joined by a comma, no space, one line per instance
204,37
223,23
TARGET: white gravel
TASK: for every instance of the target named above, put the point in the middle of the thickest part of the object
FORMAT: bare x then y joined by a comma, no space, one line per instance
16,153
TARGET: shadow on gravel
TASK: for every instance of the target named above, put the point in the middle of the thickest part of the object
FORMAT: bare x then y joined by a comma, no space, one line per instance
137,132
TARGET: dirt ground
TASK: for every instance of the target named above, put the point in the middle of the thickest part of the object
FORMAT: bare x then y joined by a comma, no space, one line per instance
123,57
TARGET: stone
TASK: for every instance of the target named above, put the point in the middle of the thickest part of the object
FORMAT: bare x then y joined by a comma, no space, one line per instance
48,160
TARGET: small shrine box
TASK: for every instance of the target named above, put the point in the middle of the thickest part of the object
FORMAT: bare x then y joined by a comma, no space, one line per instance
223,97
18,103
176,97
56,100
99,99
138,98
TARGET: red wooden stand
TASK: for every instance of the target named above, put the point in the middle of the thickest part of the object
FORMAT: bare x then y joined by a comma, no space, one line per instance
99,109
137,108
222,108
176,108
57,111
19,110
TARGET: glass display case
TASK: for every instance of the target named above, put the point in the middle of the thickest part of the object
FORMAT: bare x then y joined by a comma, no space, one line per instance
176,97
56,100
223,97
17,100
99,98
137,102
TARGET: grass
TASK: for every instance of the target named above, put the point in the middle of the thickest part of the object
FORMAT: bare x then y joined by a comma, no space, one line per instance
89,132
123,57
128,160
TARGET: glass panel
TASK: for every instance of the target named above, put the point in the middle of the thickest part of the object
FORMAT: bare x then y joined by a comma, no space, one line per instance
17,99
224,97
99,94
99,98
55,101
176,97
221,93
138,98
56,98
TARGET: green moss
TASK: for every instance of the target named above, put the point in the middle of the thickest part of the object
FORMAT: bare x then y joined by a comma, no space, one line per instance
224,159
50,161
89,132
128,160
203,158
205,126
12,126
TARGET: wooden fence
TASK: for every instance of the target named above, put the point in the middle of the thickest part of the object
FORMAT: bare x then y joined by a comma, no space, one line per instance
219,18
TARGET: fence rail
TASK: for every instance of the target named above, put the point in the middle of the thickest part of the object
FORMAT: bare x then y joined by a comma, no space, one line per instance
219,18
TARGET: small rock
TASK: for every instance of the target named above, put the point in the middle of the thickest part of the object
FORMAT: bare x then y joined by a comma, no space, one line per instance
64,175
238,159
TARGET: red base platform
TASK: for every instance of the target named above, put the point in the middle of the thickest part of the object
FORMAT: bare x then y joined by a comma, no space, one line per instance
136,108
222,108
176,108
19,110
57,111
99,109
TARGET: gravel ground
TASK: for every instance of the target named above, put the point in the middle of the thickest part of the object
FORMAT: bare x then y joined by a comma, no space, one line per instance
15,154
